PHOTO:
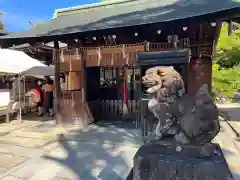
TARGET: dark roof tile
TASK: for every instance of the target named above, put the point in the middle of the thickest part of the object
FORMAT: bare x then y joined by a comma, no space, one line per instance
127,13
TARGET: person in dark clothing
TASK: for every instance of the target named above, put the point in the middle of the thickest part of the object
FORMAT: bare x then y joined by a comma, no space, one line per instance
48,90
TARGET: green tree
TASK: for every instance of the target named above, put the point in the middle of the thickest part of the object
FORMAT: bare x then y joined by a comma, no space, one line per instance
228,48
1,23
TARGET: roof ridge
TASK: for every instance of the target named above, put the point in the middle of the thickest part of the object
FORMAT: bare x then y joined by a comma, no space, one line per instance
89,6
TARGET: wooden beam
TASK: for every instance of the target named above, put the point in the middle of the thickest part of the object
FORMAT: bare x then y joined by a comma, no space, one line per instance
57,82
71,43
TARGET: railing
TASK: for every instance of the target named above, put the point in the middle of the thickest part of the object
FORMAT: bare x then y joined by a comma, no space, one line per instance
182,44
113,109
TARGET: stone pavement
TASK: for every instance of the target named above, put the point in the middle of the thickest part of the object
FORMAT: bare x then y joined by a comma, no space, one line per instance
33,151
232,109
98,152
230,147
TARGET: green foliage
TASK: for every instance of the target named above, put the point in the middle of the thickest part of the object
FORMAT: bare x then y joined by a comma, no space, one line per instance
225,81
3,74
228,48
1,24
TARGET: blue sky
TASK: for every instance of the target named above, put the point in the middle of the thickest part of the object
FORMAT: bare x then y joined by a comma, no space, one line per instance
17,13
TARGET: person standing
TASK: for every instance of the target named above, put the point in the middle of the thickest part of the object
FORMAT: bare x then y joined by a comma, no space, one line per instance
62,82
38,97
48,90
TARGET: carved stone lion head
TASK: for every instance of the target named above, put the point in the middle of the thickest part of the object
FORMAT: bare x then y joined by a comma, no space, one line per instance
162,77
152,77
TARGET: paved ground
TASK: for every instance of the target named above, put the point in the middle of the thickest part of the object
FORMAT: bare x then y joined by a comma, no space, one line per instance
99,152
31,151
233,110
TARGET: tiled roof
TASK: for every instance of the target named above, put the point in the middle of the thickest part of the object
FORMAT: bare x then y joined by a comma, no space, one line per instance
114,14
75,9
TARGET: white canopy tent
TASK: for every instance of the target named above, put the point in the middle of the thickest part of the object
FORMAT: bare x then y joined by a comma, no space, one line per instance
39,71
17,62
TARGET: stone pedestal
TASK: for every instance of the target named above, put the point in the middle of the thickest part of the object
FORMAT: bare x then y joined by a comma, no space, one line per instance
171,162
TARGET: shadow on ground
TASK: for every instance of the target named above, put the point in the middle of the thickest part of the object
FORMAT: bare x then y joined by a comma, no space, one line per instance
103,151
33,117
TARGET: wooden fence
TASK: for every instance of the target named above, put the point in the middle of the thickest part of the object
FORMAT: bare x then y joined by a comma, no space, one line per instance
108,109
137,112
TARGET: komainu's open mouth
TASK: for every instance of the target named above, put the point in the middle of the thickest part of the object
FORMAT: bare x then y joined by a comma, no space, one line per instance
154,89
150,84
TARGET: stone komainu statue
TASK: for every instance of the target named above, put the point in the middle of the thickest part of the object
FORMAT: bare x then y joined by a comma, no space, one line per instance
188,120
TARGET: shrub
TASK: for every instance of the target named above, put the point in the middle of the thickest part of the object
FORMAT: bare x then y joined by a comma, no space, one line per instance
228,48
225,81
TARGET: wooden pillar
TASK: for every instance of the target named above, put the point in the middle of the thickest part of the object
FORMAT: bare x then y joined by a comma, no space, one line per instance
216,36
191,77
199,72
118,82
57,82
83,81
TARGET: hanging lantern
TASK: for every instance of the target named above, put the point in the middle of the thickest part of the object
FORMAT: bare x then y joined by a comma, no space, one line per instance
213,24
184,28
159,31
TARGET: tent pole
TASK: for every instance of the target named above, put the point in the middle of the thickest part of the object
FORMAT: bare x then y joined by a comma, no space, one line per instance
19,97
24,91
57,82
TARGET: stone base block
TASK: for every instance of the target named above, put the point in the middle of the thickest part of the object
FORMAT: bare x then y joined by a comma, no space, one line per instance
185,162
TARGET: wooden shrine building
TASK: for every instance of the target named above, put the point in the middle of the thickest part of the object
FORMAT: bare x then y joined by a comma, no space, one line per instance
104,41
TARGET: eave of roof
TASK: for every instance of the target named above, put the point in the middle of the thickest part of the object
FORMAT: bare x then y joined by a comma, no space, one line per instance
46,46
126,13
